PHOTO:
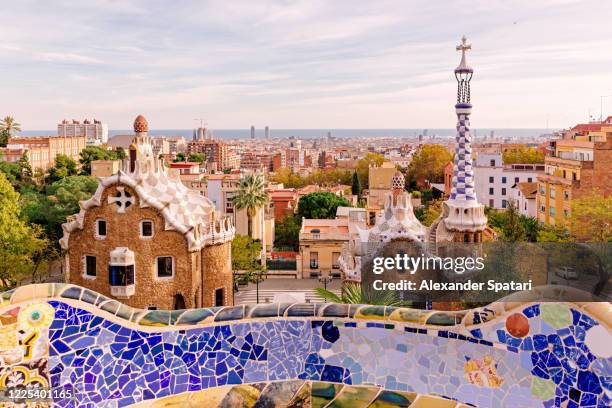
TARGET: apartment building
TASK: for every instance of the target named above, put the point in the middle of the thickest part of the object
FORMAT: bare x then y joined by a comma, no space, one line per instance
577,164
42,150
96,132
494,179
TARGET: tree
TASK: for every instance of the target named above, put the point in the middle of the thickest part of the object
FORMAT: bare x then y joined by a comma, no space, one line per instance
428,163
591,218
432,212
553,233
19,241
9,125
352,293
4,138
25,170
120,153
60,200
320,205
180,157
64,167
328,177
91,153
356,185
523,155
251,196
287,232
512,230
197,158
245,251
363,166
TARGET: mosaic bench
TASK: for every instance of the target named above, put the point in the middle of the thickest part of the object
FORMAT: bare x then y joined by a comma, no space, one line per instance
102,353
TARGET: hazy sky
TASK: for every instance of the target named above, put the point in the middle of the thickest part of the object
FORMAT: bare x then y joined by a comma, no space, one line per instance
303,64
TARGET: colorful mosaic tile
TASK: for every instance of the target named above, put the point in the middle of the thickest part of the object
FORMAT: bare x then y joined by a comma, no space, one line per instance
110,355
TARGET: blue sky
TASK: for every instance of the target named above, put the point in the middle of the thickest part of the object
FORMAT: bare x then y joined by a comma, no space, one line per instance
303,64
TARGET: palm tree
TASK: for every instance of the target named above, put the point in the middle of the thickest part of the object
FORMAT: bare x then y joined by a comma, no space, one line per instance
352,293
9,125
251,196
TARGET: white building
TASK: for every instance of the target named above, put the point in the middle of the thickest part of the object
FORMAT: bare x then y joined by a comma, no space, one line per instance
525,196
96,132
494,179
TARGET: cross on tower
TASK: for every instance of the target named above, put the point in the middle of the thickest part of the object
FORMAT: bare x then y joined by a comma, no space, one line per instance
463,47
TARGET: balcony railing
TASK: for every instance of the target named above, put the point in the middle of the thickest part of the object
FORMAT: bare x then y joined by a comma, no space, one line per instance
331,236
123,291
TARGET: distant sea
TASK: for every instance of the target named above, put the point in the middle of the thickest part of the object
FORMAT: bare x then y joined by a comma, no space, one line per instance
318,133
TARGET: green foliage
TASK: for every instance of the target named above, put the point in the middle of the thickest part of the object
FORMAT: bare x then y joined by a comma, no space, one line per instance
363,166
180,157
591,218
9,126
289,179
512,230
320,205
429,213
91,153
120,153
64,167
356,185
19,241
512,226
287,232
428,164
523,155
553,233
250,196
4,137
254,275
197,158
60,200
352,293
245,252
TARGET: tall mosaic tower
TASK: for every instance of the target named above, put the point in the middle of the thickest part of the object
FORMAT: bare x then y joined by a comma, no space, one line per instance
464,215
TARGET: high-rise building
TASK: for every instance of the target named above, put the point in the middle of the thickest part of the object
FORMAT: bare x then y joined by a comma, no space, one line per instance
95,132
252,132
267,131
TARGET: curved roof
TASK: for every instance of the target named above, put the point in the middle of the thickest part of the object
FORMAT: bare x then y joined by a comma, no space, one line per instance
184,210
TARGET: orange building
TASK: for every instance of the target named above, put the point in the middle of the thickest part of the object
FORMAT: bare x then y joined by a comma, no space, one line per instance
42,150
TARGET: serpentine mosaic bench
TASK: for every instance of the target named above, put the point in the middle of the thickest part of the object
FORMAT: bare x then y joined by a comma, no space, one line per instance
105,354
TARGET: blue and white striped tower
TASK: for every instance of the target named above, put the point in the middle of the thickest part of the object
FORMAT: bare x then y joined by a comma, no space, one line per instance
465,214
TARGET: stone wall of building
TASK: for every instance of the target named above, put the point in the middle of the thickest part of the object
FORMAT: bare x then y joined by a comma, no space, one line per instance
217,273
123,230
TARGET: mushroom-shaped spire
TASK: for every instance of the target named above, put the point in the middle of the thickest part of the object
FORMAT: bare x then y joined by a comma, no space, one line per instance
140,124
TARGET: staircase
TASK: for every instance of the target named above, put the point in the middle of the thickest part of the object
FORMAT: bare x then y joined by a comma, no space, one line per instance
432,230
249,296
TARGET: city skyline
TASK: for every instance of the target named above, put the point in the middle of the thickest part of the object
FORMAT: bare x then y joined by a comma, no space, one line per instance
308,65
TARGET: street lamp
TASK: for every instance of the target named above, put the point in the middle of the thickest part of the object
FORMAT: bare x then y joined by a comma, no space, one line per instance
325,280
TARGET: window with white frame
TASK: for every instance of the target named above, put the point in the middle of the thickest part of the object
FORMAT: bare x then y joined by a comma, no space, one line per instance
89,266
146,229
100,229
164,267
